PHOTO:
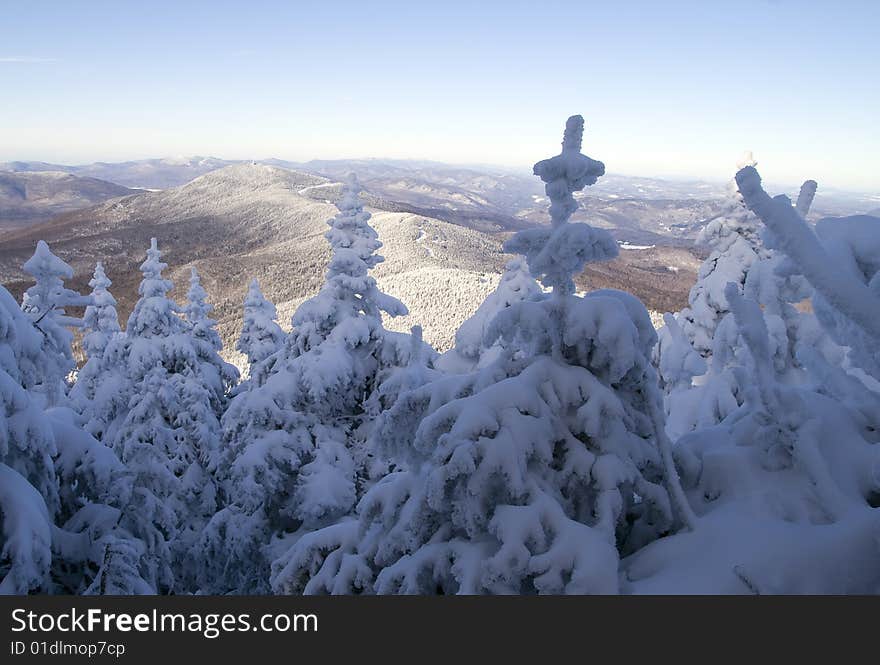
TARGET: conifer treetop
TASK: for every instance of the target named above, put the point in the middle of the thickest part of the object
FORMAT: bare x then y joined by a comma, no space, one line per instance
556,254
99,280
153,285
568,172
45,263
154,314
197,307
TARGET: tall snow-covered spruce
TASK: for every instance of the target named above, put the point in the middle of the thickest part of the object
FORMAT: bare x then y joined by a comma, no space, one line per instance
533,473
261,336
97,383
294,440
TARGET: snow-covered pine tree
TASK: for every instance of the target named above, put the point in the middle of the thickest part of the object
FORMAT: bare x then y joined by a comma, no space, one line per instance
735,243
841,262
45,304
516,285
143,433
100,321
784,487
261,336
29,497
741,256
53,474
344,321
197,310
94,552
212,371
294,439
533,473
204,391
164,426
774,283
98,382
785,484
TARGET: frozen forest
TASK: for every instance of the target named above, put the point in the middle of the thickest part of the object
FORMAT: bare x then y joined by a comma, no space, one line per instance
563,446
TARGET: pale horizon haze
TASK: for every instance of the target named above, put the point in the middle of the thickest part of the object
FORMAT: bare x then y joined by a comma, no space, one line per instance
675,89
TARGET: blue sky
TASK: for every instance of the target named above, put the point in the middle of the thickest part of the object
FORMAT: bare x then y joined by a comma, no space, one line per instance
667,88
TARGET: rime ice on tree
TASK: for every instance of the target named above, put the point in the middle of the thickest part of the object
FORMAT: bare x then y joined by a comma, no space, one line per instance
29,495
735,240
558,253
197,310
59,488
785,483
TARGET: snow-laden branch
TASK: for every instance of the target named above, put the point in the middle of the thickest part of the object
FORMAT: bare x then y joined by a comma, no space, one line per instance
805,197
846,293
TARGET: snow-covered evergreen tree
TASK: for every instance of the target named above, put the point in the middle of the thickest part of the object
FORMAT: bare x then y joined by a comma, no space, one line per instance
162,420
197,310
97,382
785,484
342,325
841,262
261,336
100,321
144,434
294,439
29,498
93,544
60,489
516,285
532,473
45,303
735,242
743,255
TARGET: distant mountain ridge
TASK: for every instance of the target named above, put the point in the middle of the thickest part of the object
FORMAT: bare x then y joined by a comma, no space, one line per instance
141,174
251,220
32,197
637,210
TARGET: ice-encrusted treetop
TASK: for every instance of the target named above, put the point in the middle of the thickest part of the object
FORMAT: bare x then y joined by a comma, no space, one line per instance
568,172
154,314
100,318
100,281
261,336
45,263
805,197
256,302
197,307
558,253
350,198
747,159
153,285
